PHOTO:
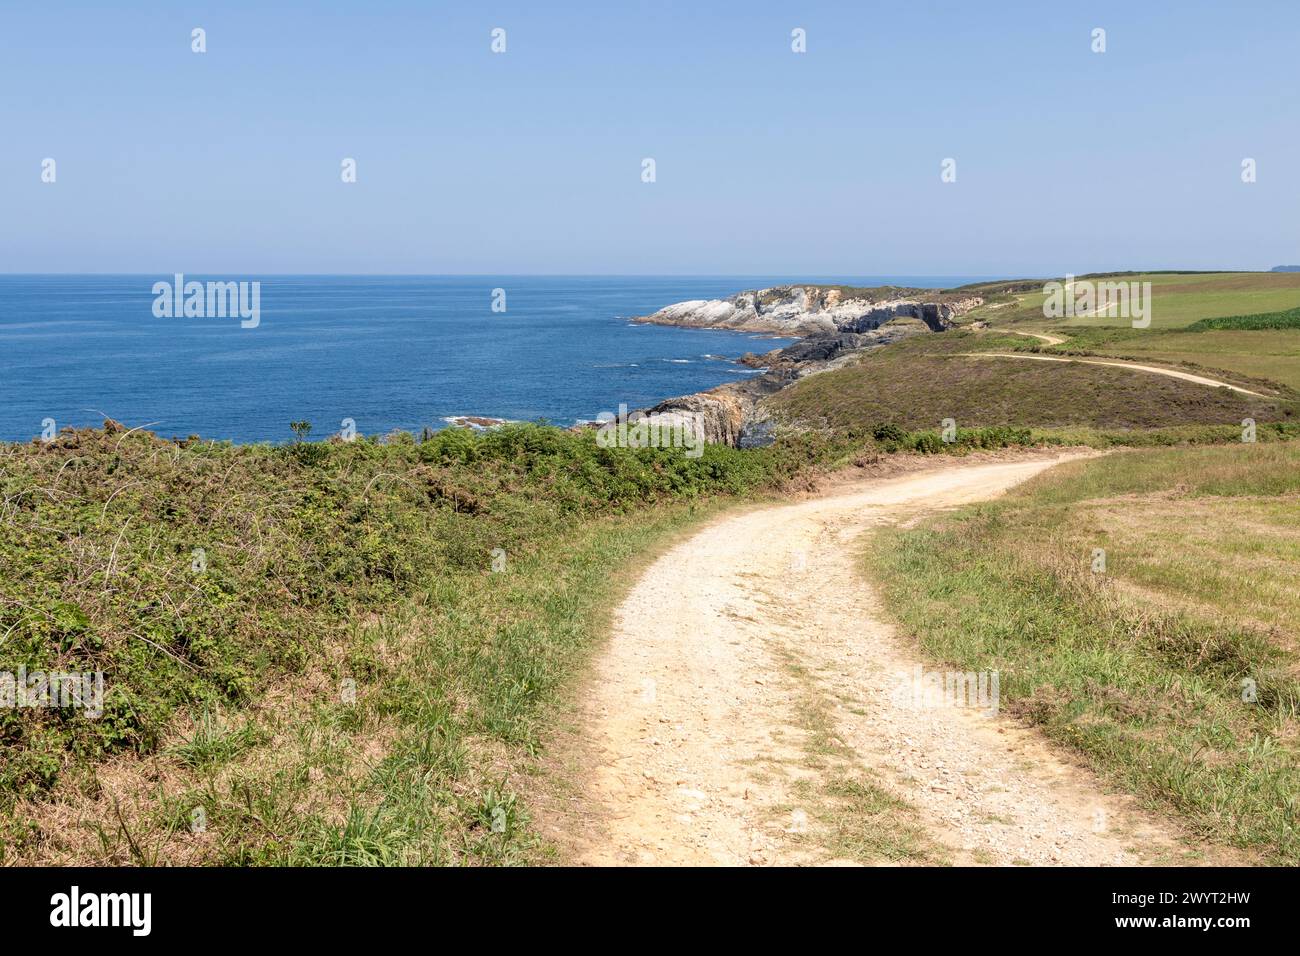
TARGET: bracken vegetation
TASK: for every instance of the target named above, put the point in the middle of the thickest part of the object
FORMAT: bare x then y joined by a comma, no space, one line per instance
207,581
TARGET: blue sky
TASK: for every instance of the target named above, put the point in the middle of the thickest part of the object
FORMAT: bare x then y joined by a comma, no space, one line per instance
768,162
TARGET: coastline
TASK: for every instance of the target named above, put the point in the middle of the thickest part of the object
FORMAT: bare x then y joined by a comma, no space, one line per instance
832,325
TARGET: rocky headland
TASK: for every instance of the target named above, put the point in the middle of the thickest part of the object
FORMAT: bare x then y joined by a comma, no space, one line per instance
800,311
834,324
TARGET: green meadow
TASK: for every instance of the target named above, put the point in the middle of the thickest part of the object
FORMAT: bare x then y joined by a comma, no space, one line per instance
1179,299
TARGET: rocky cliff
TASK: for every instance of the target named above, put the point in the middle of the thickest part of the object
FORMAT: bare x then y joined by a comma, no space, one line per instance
732,414
833,323
816,310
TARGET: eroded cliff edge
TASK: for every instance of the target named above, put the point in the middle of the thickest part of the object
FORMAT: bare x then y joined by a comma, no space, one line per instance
833,323
805,310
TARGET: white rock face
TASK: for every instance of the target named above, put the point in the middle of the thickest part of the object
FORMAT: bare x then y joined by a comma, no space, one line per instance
806,310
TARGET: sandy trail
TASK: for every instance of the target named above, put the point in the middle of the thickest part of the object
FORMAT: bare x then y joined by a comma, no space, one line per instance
1041,336
698,716
1154,369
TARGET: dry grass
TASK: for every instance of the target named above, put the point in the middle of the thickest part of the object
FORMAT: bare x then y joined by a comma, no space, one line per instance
1174,670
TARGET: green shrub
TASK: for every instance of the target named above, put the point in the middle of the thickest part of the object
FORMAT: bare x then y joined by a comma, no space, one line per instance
1260,321
889,432
298,541
926,443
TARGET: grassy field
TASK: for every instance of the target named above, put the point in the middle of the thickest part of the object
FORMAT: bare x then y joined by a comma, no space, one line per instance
1178,299
1244,356
1243,325
1175,667
920,381
358,664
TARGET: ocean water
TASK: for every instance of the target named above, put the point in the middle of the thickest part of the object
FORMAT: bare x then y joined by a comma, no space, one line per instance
386,351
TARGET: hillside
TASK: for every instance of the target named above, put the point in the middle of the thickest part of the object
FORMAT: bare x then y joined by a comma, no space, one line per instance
922,380
314,653
1180,298
1198,321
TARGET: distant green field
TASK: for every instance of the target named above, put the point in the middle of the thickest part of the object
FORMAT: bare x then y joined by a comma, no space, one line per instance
1243,325
1261,322
1178,299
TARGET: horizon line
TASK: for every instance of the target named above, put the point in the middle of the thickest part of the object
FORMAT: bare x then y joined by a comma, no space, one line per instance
649,275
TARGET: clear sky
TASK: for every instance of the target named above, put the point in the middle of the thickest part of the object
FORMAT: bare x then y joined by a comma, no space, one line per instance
767,161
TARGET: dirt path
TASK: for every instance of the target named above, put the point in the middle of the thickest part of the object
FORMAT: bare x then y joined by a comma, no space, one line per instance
1041,336
1154,369
750,689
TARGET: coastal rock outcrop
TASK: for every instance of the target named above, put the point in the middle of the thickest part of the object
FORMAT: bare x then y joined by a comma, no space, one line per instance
833,325
733,414
721,413
816,310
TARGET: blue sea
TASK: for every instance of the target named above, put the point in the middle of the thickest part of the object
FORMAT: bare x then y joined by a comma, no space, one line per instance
388,352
